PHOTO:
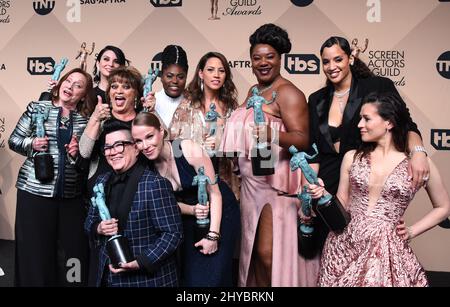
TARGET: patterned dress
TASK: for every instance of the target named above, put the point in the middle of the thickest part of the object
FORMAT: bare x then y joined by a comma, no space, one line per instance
369,253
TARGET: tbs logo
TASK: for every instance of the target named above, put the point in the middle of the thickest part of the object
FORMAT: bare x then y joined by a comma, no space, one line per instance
40,66
307,64
166,3
440,139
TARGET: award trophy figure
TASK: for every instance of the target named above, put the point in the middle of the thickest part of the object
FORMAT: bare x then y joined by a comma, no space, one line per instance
149,79
202,180
261,154
211,121
328,207
43,161
83,54
46,96
117,246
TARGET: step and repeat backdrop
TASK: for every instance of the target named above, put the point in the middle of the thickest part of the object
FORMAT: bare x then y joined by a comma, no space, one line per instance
408,42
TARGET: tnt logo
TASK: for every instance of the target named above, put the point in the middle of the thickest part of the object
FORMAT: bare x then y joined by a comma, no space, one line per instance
307,64
43,7
40,66
440,139
302,3
166,3
443,65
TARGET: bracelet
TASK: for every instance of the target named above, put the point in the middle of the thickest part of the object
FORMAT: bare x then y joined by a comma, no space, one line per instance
210,238
214,232
418,149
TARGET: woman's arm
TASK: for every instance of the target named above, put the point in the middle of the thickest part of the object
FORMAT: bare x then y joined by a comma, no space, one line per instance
294,113
343,192
440,201
197,157
418,167
21,138
93,128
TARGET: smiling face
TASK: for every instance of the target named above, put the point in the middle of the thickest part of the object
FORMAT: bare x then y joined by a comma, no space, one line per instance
213,74
119,160
149,140
266,63
336,64
372,126
122,96
72,89
107,62
173,80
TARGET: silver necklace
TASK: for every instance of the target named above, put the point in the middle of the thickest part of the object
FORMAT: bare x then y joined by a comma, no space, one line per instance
340,98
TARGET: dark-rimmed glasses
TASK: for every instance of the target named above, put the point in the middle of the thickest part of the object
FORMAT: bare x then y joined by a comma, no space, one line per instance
118,147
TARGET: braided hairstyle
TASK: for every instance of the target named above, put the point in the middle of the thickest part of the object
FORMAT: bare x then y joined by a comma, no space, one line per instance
174,54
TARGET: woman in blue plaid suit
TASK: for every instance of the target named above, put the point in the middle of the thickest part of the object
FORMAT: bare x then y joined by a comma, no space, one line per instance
143,209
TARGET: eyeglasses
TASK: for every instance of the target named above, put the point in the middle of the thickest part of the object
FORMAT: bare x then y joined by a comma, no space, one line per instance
118,147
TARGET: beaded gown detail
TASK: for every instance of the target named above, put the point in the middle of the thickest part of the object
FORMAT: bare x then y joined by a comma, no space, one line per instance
369,253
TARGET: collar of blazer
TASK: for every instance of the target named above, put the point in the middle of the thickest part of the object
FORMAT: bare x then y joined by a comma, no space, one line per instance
323,107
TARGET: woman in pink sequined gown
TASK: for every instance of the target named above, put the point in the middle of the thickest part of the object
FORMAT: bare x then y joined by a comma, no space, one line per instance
268,253
373,249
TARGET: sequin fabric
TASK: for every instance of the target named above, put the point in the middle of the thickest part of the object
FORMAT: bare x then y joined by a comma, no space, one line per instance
369,253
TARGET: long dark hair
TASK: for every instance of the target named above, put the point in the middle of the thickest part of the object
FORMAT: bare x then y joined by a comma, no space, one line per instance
227,93
120,59
391,107
359,69
85,106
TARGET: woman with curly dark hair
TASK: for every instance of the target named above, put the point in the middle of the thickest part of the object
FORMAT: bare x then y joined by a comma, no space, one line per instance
269,250
334,116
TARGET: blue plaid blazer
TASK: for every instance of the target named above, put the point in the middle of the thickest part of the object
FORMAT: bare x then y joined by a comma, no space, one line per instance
154,231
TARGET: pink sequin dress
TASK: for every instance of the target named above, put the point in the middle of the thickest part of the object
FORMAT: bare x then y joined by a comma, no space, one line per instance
369,253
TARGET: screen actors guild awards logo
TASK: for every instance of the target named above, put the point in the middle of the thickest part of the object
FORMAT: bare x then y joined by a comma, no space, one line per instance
388,63
4,16
243,8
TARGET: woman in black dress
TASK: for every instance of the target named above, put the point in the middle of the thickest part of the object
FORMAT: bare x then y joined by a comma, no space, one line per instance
208,262
334,116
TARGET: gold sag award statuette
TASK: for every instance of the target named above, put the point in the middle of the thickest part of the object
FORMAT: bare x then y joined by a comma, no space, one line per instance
356,50
83,54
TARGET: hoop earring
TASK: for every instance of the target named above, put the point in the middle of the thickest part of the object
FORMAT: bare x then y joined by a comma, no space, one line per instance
201,85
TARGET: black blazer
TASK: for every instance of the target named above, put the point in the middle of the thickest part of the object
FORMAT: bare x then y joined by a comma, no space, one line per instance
319,105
